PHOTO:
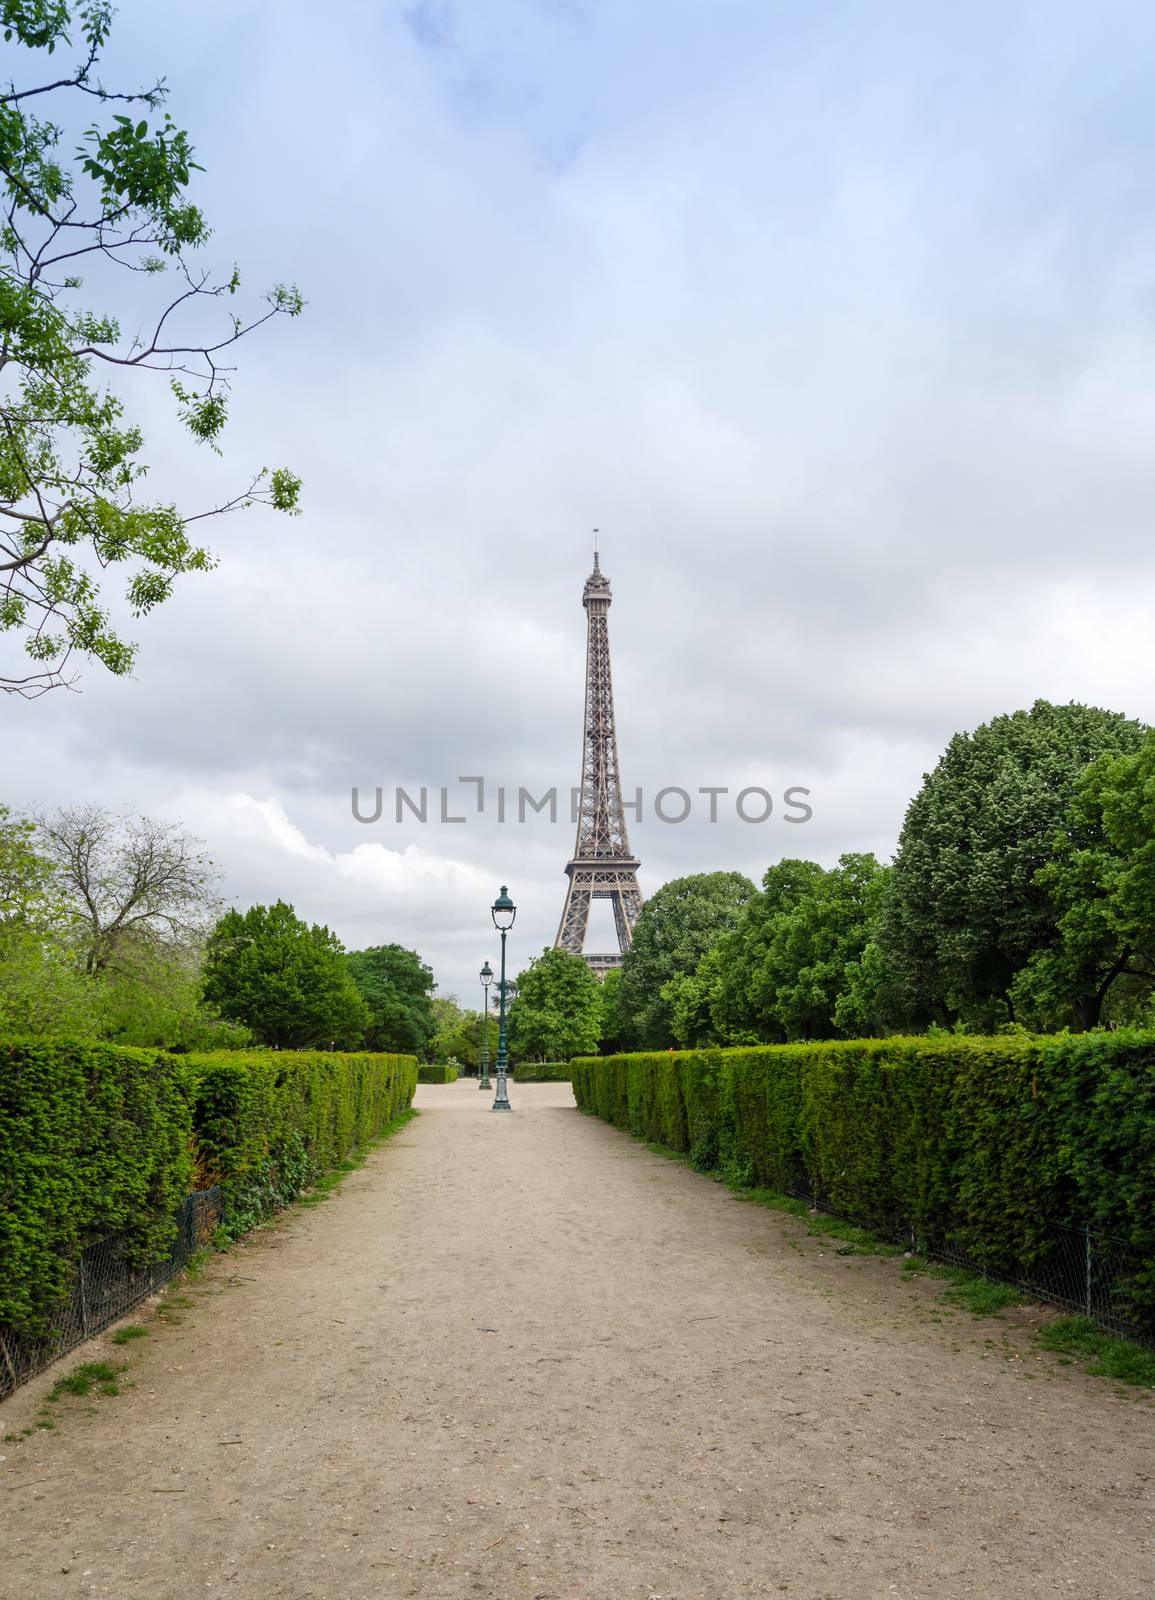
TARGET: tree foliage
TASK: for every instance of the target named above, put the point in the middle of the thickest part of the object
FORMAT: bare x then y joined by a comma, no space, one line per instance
784,971
966,911
676,928
1101,884
283,978
109,226
459,1033
558,1010
42,980
397,987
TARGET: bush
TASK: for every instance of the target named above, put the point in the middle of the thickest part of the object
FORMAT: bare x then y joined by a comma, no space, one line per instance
267,1123
438,1072
980,1144
99,1140
541,1071
94,1141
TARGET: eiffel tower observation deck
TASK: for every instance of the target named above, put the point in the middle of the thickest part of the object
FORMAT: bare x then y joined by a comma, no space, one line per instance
603,867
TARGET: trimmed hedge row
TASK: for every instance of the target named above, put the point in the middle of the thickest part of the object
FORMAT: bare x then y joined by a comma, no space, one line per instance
267,1123
982,1144
541,1072
94,1141
99,1140
438,1072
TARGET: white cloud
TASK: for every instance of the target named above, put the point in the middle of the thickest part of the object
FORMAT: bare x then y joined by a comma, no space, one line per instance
837,322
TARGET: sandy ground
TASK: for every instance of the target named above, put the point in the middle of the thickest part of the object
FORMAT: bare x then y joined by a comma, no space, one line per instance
524,1357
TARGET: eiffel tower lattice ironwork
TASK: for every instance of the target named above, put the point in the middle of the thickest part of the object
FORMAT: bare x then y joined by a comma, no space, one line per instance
603,867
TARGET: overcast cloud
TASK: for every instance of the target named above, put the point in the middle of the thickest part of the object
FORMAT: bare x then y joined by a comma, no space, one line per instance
836,319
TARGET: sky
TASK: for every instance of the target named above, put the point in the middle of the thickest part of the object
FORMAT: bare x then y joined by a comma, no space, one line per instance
836,320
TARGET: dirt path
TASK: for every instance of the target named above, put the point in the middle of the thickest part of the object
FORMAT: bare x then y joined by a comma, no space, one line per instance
522,1357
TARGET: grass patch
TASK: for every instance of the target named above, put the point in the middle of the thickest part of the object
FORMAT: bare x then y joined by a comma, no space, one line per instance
983,1297
195,1265
855,1240
86,1377
1107,1355
127,1334
663,1150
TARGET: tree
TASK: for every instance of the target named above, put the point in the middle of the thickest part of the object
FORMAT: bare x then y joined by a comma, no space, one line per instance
804,971
134,882
676,927
784,970
71,472
459,1033
151,997
612,1037
284,979
558,1010
691,998
1101,884
737,1012
397,987
42,987
965,911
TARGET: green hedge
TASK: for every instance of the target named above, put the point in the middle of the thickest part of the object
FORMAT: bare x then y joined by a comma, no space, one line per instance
980,1144
98,1139
438,1072
541,1072
267,1123
94,1141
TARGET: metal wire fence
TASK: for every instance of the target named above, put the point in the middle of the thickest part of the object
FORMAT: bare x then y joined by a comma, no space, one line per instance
106,1287
1074,1268
1077,1269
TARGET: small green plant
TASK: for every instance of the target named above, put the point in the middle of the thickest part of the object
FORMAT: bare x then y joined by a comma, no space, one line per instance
1107,1355
196,1264
127,1334
82,1380
983,1297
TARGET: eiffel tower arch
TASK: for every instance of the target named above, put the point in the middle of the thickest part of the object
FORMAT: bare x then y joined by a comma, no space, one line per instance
603,867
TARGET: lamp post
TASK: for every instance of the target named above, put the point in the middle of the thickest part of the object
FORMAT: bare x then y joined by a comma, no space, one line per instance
503,912
486,980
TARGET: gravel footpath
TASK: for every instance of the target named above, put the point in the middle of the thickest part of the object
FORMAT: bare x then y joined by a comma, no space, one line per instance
523,1357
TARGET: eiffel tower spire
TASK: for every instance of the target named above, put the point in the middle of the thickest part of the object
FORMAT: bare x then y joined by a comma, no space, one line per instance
602,866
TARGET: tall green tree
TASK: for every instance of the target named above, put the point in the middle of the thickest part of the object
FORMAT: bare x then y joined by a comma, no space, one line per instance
1101,884
43,988
784,970
558,1010
677,926
397,987
110,220
283,978
613,1029
459,1034
965,911
737,999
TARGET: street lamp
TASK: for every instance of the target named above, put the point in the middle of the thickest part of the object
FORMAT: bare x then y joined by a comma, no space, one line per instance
486,980
503,912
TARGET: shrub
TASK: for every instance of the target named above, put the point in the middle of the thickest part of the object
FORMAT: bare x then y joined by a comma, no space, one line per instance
541,1072
267,1123
98,1140
438,1072
94,1141
980,1144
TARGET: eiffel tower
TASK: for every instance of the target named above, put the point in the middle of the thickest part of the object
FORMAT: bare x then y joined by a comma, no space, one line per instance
603,867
